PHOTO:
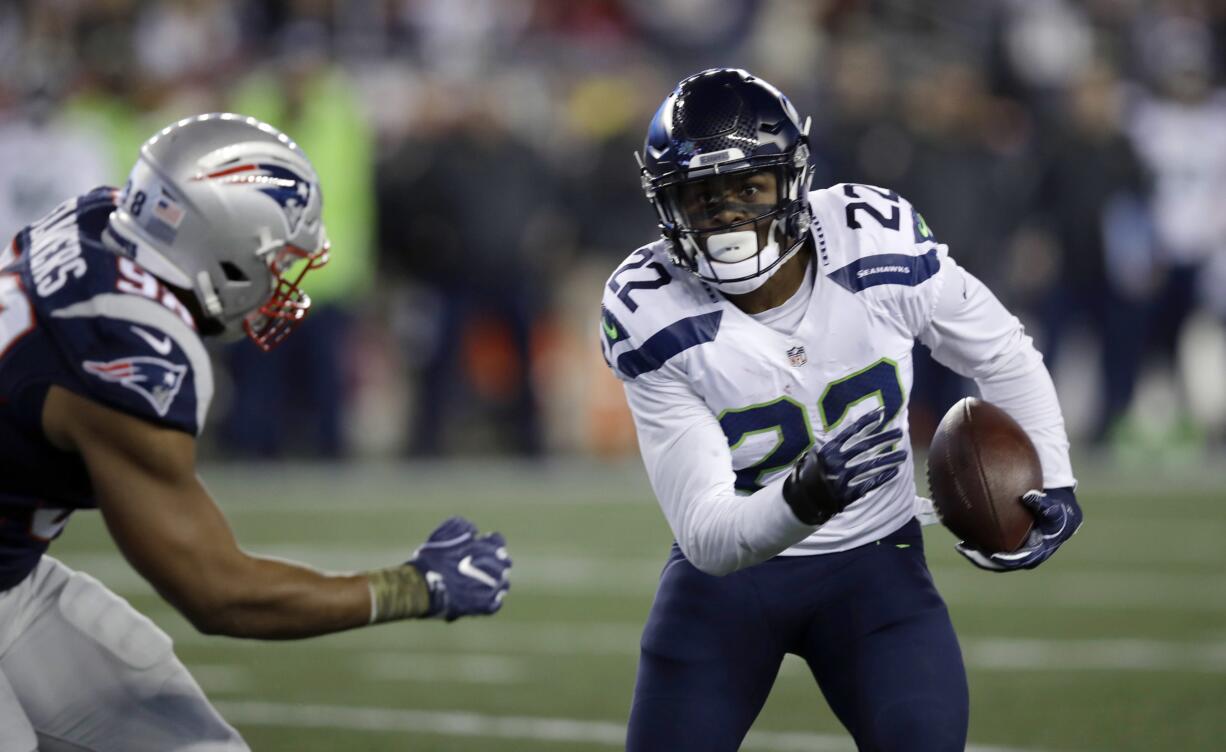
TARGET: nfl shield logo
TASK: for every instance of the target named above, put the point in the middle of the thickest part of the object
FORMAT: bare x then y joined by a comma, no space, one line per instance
797,357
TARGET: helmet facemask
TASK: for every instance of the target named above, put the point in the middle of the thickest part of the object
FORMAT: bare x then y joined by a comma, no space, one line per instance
734,228
269,325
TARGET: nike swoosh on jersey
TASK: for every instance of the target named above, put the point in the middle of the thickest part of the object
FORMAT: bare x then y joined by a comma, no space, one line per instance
160,345
467,569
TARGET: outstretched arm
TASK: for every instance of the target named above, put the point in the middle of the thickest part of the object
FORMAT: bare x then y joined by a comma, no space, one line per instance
171,531
972,333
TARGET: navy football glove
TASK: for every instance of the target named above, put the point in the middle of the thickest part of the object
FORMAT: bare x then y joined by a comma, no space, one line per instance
465,573
827,479
1056,517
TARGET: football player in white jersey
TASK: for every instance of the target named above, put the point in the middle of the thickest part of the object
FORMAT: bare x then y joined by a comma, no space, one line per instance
104,386
765,345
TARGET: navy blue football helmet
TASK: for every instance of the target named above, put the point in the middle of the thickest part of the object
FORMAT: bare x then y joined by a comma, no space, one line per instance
715,132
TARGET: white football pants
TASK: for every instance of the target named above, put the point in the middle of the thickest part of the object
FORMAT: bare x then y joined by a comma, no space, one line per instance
82,671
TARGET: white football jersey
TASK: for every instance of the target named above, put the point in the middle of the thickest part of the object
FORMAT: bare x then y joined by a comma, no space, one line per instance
723,402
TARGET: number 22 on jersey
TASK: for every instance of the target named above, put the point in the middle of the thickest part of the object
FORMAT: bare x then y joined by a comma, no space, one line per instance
789,420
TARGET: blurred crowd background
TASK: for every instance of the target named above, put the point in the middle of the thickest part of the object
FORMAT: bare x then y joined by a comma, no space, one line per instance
477,164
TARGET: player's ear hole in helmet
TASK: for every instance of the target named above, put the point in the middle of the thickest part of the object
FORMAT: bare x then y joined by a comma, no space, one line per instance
227,210
726,167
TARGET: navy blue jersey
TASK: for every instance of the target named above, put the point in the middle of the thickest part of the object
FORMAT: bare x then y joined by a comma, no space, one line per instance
76,315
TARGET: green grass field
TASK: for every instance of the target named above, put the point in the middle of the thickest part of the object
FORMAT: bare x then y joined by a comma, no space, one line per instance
1119,643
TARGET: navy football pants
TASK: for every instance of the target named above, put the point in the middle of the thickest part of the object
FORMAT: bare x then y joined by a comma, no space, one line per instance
868,621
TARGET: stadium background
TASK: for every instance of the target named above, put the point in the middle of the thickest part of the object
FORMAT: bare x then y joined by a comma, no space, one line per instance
476,158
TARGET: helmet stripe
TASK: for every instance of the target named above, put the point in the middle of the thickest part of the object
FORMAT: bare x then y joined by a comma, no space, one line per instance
230,171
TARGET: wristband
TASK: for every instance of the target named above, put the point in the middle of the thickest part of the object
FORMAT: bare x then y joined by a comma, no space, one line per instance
396,593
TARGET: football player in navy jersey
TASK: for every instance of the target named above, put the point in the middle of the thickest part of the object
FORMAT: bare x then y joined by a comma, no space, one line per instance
765,346
104,386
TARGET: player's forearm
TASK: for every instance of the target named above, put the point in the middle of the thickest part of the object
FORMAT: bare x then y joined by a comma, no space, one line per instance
975,335
1024,389
690,468
720,532
273,599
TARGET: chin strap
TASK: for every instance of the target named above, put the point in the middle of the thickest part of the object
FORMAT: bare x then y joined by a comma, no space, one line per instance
749,284
734,247
734,264
208,294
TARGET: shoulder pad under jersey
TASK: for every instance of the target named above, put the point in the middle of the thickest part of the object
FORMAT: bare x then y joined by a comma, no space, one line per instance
652,311
869,237
131,343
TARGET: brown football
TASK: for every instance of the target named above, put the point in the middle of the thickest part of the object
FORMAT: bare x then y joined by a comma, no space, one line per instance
980,464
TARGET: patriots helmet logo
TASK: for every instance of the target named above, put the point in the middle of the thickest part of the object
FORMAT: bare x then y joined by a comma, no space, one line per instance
155,379
290,190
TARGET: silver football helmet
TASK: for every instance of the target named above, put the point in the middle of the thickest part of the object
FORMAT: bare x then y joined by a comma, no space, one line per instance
227,208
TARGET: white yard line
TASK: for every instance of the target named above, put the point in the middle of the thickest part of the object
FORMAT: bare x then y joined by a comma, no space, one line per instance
1065,588
587,478
1095,655
222,678
516,647
488,638
452,668
526,728
388,486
